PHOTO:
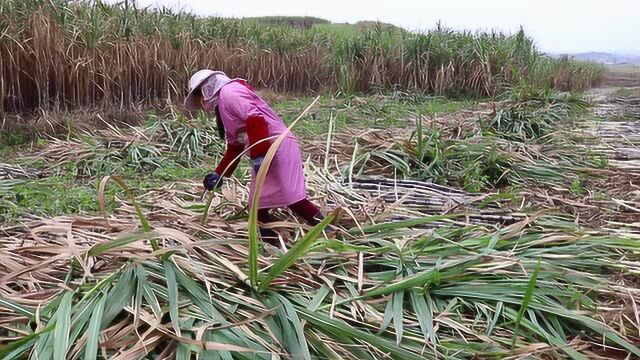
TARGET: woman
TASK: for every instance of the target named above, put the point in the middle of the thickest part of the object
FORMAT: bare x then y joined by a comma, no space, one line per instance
245,120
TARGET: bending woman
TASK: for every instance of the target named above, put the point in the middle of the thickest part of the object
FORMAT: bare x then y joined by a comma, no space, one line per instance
245,120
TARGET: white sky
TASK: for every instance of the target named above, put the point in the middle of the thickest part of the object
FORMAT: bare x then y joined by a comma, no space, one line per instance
556,25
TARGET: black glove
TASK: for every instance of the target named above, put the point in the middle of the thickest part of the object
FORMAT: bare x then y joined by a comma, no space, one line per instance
212,181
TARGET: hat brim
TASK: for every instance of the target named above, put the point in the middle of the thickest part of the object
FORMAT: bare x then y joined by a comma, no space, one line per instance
191,103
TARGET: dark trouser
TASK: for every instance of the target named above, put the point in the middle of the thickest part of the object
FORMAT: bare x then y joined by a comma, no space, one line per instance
303,208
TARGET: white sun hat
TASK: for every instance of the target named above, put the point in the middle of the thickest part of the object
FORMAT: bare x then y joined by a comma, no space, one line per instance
196,81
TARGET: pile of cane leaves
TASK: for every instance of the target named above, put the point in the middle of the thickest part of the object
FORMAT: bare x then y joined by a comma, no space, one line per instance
535,287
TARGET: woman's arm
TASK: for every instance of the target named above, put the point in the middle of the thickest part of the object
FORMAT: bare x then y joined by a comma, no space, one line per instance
257,130
233,151
244,123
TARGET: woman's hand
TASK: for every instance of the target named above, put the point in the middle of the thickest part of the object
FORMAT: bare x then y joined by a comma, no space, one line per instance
212,181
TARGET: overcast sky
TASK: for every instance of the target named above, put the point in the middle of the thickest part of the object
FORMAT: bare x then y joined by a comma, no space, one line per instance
556,25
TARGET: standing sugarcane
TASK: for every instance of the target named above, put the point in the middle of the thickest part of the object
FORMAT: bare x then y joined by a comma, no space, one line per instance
247,122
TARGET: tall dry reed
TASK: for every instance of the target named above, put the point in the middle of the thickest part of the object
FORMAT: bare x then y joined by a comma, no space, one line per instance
59,55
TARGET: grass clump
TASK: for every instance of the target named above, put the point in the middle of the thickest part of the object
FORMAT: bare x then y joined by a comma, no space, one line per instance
14,138
532,118
470,164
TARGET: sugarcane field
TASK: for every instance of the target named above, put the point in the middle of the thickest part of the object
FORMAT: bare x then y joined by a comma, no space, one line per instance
176,184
